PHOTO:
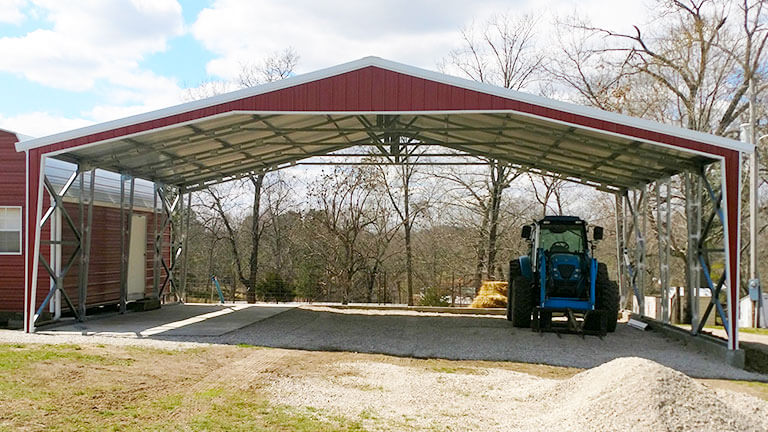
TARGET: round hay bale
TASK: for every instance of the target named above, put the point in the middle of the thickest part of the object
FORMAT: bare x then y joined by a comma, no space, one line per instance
492,294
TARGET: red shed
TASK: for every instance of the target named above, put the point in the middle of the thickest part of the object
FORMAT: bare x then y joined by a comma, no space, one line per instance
104,272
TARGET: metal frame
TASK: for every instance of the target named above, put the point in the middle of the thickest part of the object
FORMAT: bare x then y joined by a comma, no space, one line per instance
191,147
702,255
126,223
632,212
82,242
164,221
693,213
663,231
634,253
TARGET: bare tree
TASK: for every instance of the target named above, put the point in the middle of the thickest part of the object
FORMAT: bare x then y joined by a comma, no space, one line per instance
342,199
484,199
700,62
503,52
275,67
545,189
400,197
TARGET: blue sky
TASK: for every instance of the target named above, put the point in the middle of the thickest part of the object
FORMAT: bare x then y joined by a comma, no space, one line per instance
68,66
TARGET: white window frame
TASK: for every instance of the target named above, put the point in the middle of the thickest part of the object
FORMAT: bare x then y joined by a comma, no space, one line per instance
20,231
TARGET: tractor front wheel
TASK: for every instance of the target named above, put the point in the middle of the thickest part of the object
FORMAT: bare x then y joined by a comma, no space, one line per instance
521,302
607,297
514,273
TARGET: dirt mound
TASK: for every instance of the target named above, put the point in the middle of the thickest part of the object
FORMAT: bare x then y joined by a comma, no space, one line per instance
492,294
638,394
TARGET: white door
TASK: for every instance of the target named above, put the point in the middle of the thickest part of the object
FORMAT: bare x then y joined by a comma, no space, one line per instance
137,258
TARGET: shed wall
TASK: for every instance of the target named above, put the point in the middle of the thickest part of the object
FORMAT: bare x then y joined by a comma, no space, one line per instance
104,270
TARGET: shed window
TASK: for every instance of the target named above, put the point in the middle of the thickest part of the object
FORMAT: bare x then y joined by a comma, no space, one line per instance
10,230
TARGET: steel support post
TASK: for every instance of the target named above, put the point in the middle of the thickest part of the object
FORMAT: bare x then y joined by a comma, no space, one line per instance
157,247
620,247
57,275
166,216
184,247
86,219
126,221
702,252
638,203
754,212
693,219
663,214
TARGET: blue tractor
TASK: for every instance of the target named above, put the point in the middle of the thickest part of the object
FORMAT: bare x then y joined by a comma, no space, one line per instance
561,277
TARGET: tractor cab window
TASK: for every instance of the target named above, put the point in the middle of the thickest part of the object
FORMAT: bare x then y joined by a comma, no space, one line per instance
562,238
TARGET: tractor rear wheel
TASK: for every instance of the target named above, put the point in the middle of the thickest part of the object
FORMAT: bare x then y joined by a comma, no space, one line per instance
607,298
514,272
521,302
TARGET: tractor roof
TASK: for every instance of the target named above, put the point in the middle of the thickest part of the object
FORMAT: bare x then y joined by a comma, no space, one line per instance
562,219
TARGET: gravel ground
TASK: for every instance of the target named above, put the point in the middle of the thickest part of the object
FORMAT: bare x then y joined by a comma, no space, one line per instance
429,335
455,337
625,394
19,337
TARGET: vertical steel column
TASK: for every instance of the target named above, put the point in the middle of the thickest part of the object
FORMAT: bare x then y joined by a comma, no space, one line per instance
693,218
185,239
157,248
620,246
126,221
177,244
754,212
663,211
86,220
56,209
638,203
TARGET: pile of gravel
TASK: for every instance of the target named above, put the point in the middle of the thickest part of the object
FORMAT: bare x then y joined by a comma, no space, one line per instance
638,394
624,394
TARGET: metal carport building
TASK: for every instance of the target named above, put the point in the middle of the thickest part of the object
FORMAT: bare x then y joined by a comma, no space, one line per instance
376,102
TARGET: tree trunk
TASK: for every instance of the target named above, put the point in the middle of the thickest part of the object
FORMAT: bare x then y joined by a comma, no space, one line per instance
495,206
480,252
407,225
409,263
253,262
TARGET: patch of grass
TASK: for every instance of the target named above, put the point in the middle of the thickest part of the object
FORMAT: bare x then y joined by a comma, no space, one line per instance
250,413
14,357
759,331
155,351
169,402
209,394
368,387
245,345
454,370
754,388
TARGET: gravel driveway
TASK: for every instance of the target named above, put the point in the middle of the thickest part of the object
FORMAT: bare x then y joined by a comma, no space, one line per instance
456,337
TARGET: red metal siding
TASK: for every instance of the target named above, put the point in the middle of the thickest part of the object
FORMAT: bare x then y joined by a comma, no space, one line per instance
104,272
104,268
12,193
12,184
375,89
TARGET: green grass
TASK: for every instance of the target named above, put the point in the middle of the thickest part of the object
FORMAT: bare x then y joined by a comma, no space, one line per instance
27,401
244,412
759,331
13,357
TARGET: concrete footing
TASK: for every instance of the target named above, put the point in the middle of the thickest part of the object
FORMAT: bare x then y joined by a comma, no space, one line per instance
712,345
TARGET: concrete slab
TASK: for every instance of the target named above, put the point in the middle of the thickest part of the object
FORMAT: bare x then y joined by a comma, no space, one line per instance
174,320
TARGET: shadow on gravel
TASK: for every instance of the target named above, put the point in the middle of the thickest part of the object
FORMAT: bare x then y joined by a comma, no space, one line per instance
465,338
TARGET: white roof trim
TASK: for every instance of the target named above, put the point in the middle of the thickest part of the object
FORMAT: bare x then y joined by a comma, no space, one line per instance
395,67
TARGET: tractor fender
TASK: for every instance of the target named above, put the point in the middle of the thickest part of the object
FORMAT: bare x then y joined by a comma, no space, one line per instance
525,267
